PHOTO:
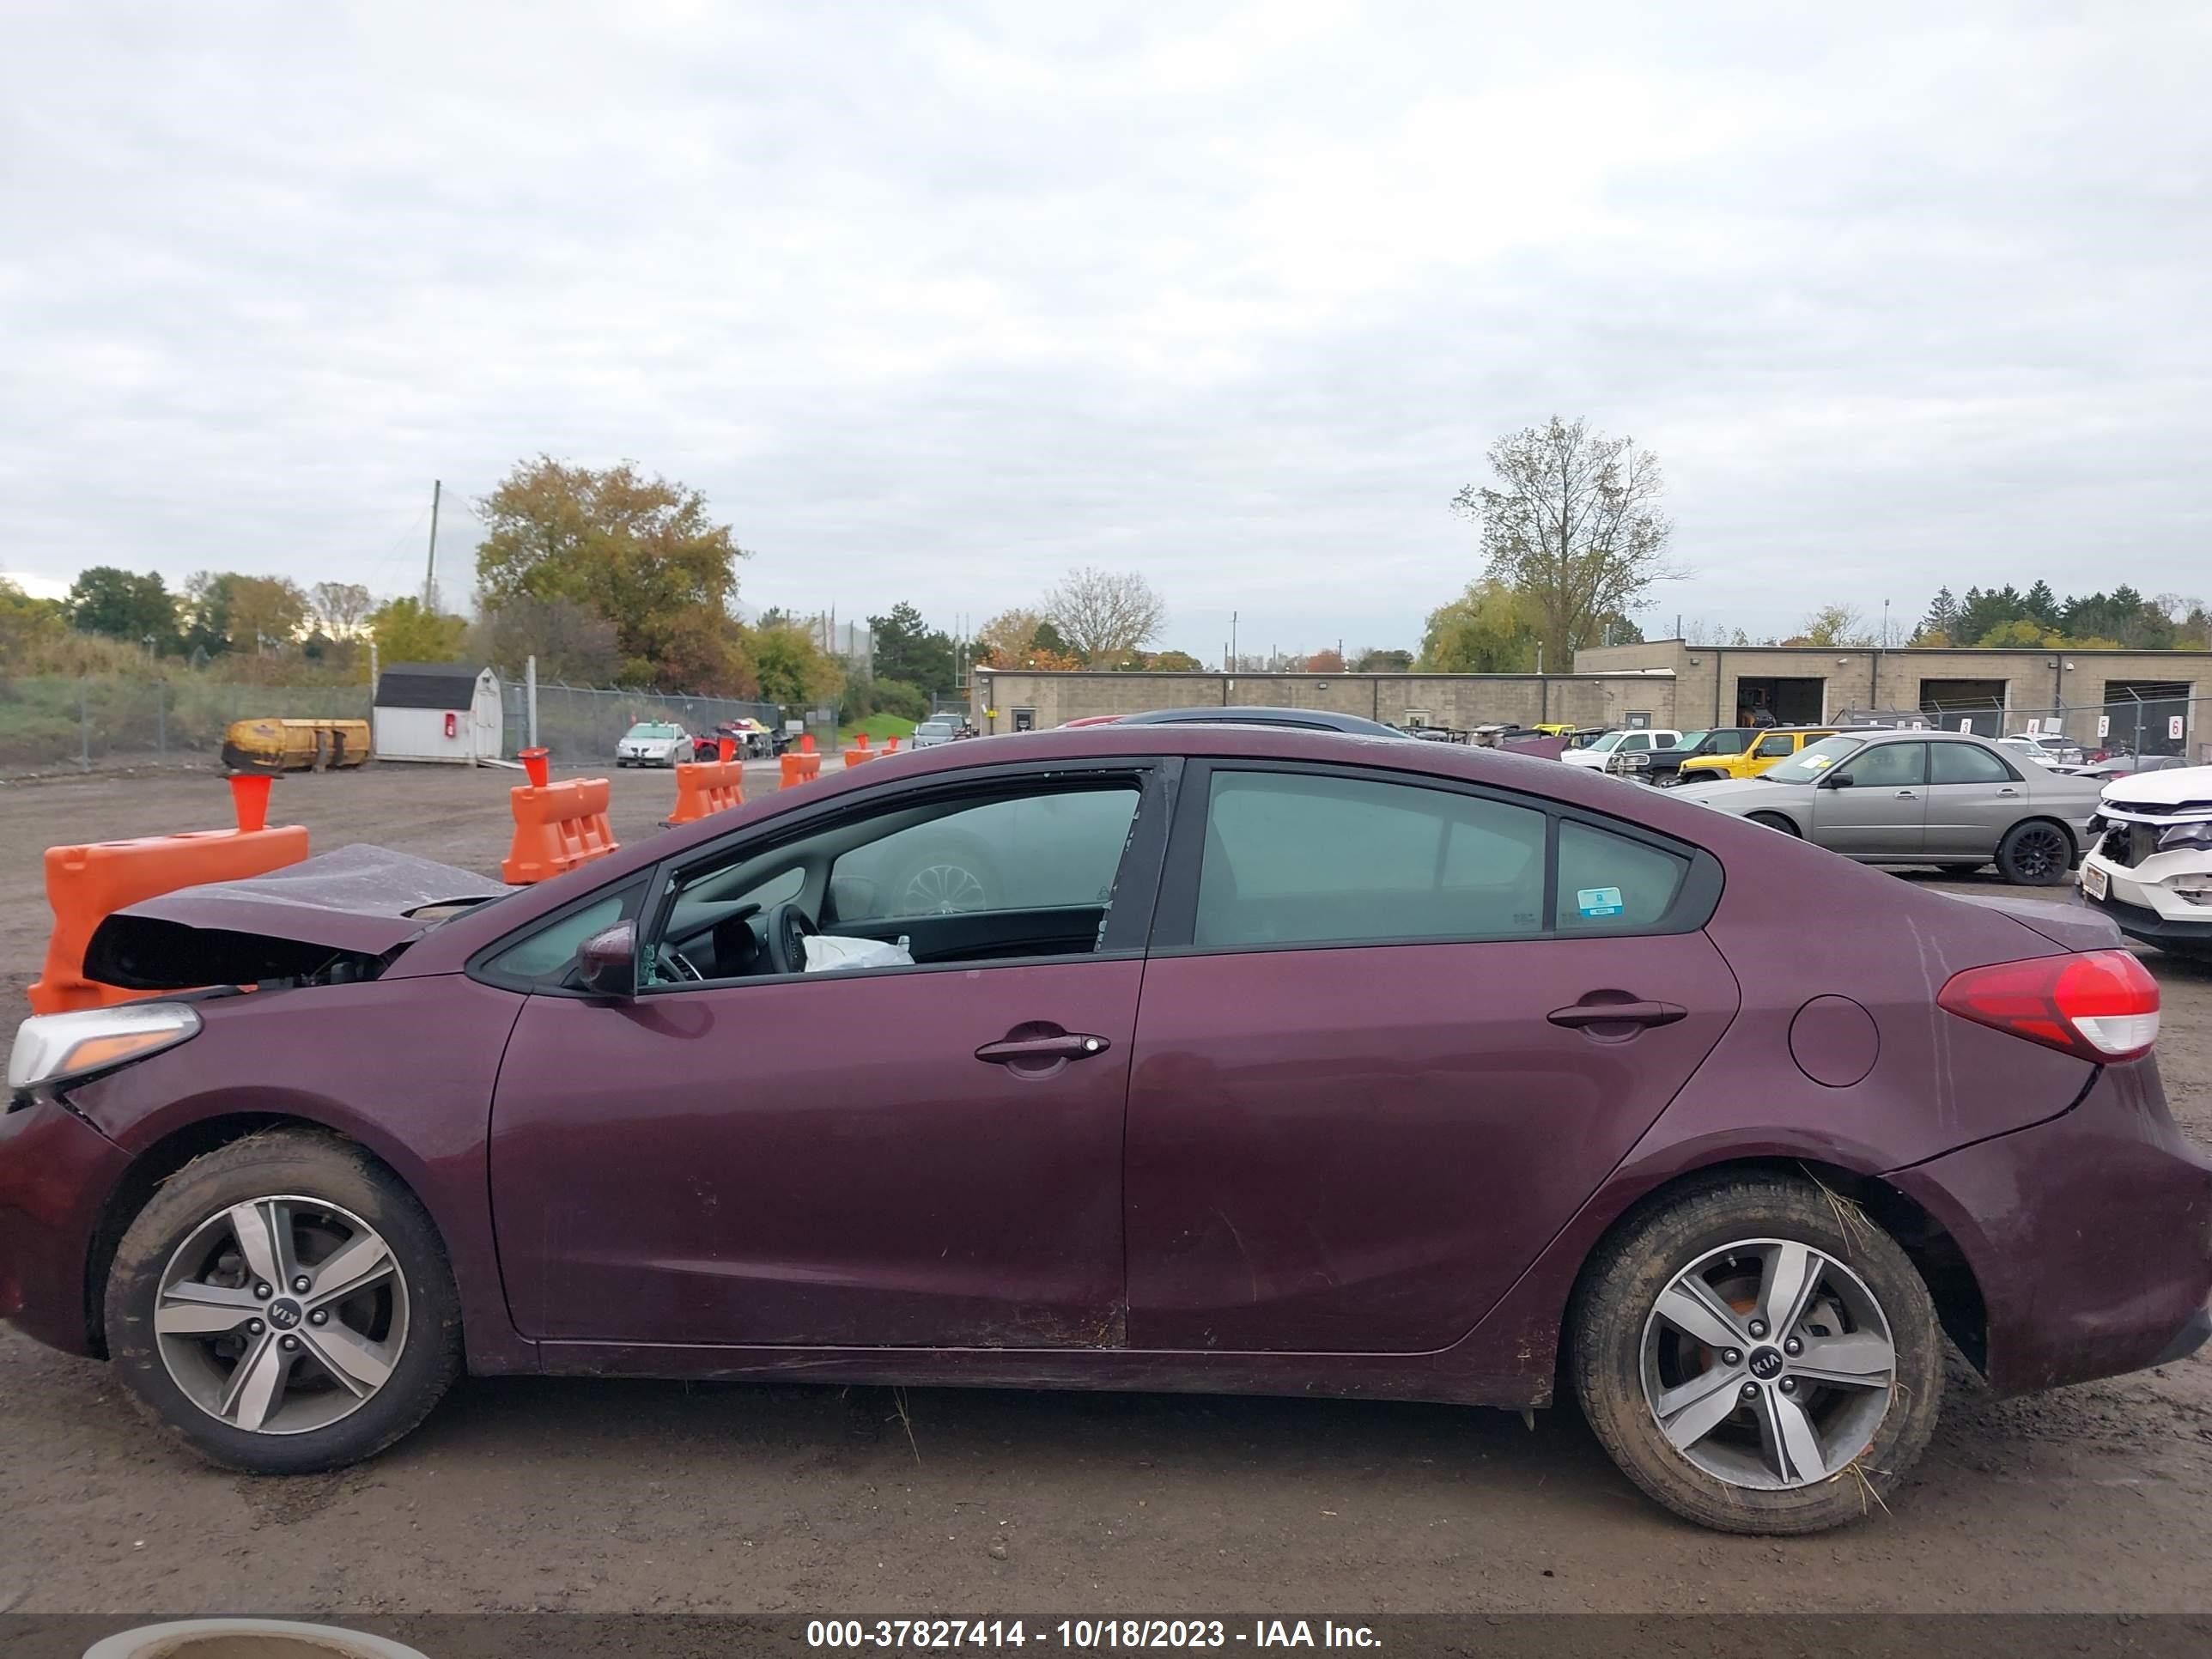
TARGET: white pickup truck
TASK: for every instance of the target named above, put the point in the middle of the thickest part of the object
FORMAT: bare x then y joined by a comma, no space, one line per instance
1623,751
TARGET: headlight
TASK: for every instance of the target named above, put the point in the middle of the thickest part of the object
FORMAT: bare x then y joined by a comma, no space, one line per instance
2180,837
50,1046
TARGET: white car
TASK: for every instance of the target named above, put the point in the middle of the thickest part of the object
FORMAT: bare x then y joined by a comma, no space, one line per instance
2150,862
1623,751
2040,750
653,743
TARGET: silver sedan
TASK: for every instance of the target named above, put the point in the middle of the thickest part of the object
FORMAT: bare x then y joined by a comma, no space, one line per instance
1941,798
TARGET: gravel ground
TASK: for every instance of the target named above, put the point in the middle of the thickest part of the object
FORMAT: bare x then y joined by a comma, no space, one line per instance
621,1496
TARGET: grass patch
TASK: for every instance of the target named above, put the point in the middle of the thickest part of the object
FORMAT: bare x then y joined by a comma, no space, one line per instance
879,727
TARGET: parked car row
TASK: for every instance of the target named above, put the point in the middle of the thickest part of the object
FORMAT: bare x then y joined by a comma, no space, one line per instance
1288,1061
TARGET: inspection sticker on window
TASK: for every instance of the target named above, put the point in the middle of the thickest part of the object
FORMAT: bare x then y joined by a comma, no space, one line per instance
1599,901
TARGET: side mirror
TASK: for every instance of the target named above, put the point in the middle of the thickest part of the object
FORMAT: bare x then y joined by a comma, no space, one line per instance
607,962
1836,780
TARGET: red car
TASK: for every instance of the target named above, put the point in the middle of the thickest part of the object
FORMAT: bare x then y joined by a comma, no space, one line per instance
1160,1057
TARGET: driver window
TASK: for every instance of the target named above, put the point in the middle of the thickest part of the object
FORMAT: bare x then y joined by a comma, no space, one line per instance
976,878
1890,765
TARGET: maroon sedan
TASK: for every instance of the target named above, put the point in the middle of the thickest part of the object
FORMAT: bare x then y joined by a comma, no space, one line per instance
1141,1057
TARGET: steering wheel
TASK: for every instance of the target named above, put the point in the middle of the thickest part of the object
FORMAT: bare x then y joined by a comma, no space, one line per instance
785,928
674,965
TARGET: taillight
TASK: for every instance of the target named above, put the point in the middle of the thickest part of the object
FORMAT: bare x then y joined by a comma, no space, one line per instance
2099,1005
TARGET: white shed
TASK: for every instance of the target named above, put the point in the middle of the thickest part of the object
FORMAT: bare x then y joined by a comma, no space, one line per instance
437,711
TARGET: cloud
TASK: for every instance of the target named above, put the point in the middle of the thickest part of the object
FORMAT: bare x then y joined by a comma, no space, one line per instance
936,302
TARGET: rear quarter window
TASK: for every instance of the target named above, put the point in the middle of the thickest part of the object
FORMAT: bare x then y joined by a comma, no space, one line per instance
1610,881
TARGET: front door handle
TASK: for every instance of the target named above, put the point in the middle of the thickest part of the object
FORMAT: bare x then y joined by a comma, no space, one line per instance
1028,1051
1618,1013
1908,794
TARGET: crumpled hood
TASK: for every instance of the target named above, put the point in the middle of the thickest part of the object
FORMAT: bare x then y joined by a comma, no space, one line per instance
2178,795
359,902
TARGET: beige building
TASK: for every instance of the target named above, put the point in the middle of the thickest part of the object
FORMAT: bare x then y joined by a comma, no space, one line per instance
1669,682
1992,692
1020,699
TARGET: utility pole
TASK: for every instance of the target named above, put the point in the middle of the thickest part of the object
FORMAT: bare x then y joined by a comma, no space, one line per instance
430,575
1232,642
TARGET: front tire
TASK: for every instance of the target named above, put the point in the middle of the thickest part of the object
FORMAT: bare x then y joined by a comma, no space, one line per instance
283,1305
2035,853
1774,820
1678,1341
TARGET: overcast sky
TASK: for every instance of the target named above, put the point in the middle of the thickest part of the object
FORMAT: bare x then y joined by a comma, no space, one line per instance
936,300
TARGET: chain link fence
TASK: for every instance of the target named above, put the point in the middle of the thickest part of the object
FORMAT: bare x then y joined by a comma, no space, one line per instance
581,724
2178,725
100,722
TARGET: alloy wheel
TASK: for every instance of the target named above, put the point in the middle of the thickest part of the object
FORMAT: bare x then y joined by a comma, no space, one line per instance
1768,1364
2038,852
280,1314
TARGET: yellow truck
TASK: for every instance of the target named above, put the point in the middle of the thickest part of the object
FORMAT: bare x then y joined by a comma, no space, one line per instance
1773,748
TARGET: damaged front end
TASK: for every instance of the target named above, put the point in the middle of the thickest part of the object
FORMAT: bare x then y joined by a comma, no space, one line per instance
334,919
2149,861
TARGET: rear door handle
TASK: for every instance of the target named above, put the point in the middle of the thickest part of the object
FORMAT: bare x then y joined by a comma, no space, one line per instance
1018,1051
1908,794
1618,1013
2009,791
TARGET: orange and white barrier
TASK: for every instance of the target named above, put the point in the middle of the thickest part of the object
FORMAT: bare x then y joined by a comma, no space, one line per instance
86,884
557,826
704,788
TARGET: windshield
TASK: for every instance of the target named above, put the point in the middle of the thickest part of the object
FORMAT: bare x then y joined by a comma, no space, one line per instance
1810,762
647,730
1610,740
1689,740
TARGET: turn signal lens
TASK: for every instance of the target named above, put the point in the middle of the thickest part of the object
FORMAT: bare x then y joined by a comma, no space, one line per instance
2099,1005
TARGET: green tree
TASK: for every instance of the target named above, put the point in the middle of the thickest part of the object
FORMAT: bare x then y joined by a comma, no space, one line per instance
2019,632
906,647
26,623
124,604
1369,659
406,632
642,552
794,671
1832,625
267,613
1571,524
1985,608
1488,629
1941,625
205,612
2040,605
900,697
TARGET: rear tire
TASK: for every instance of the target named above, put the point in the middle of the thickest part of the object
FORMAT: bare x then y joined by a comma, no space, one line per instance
229,1355
1734,1453
2035,852
1774,820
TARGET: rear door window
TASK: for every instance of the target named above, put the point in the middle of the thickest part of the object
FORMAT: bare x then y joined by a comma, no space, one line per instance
1295,858
1966,763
